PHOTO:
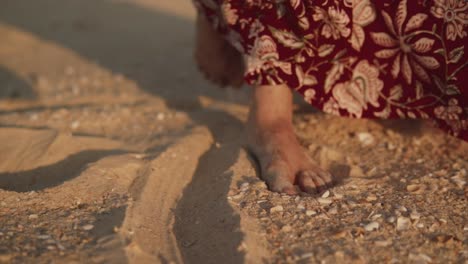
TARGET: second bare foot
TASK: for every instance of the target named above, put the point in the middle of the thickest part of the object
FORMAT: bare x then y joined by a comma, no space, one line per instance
217,59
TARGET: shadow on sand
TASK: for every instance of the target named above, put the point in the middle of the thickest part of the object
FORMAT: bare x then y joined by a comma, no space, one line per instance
151,48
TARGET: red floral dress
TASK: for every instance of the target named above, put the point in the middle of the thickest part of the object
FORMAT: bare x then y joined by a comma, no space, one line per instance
358,58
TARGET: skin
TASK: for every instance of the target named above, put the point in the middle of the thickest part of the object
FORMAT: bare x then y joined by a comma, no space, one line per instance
284,164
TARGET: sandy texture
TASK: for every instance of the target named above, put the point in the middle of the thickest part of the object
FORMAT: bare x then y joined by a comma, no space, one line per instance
114,150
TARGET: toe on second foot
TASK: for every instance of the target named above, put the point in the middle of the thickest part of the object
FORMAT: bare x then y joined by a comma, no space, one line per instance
314,181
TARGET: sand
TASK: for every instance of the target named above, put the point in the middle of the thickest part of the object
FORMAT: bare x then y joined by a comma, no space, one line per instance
113,149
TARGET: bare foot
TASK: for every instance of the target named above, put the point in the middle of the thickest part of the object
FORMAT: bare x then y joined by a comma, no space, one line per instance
283,161
220,62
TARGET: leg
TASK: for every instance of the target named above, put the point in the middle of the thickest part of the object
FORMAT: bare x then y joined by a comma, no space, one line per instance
216,58
283,161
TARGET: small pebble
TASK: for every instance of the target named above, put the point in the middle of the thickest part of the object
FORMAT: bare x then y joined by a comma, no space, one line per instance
383,243
33,216
365,138
244,186
371,226
87,227
402,209
419,258
333,210
50,247
390,146
326,194
371,198
415,188
237,196
286,228
324,200
403,223
376,216
277,208
306,255
311,212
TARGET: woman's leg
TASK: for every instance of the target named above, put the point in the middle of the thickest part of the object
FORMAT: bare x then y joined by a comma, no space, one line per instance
271,138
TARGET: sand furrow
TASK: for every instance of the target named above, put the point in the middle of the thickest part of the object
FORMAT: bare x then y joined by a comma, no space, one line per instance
149,219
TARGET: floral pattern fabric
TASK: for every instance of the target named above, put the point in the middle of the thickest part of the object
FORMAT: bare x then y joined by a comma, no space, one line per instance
357,58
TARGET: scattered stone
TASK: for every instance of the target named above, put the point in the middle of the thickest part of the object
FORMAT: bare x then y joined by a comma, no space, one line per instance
403,223
60,246
434,227
301,207
244,186
415,188
441,173
33,216
326,194
333,210
419,258
460,178
383,243
376,216
340,234
43,237
365,138
237,196
371,226
286,228
371,198
87,227
402,208
306,256
324,200
311,212
51,247
277,208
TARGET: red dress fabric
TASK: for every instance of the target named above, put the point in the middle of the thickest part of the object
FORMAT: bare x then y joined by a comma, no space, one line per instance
357,58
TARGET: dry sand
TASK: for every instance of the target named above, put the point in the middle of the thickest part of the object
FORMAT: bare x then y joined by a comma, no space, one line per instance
114,150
